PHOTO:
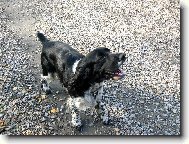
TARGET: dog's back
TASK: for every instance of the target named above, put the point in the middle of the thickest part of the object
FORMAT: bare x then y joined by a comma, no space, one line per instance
56,46
56,56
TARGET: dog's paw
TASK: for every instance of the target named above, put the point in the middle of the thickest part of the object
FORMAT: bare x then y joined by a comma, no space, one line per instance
76,122
106,121
48,91
105,118
46,88
79,128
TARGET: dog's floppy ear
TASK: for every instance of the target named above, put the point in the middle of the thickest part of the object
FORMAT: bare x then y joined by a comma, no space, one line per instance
102,51
99,53
94,55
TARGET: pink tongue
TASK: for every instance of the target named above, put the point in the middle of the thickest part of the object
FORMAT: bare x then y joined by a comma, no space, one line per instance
118,75
118,72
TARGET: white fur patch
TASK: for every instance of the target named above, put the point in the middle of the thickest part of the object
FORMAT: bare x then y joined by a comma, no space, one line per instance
105,117
88,101
74,106
75,66
80,103
48,78
76,121
45,87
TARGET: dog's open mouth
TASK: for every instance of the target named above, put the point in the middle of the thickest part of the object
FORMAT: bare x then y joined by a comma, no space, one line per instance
119,74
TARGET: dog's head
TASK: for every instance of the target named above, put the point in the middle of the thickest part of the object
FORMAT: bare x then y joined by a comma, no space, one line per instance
97,66
101,64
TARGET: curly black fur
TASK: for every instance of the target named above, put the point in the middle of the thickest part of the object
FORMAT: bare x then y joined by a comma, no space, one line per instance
97,66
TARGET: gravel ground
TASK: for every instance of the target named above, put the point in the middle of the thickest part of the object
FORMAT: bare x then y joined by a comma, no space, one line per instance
146,102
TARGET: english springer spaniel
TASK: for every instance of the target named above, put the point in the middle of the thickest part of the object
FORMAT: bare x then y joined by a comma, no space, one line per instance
81,75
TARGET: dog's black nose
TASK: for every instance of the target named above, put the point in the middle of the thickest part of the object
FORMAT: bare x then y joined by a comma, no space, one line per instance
122,57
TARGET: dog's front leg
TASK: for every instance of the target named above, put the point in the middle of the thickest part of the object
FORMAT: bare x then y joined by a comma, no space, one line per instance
101,107
76,119
104,113
75,114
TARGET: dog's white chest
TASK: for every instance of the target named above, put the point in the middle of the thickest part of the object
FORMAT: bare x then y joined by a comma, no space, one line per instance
75,66
90,99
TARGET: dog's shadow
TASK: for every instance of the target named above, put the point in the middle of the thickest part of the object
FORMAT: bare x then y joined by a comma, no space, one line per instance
138,112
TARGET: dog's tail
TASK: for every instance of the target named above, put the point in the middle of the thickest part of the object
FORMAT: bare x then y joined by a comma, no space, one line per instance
41,37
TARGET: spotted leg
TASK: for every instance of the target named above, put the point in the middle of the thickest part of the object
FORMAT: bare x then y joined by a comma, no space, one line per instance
45,80
104,113
73,104
101,107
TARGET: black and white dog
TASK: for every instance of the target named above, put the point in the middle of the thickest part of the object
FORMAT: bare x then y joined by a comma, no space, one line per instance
83,76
